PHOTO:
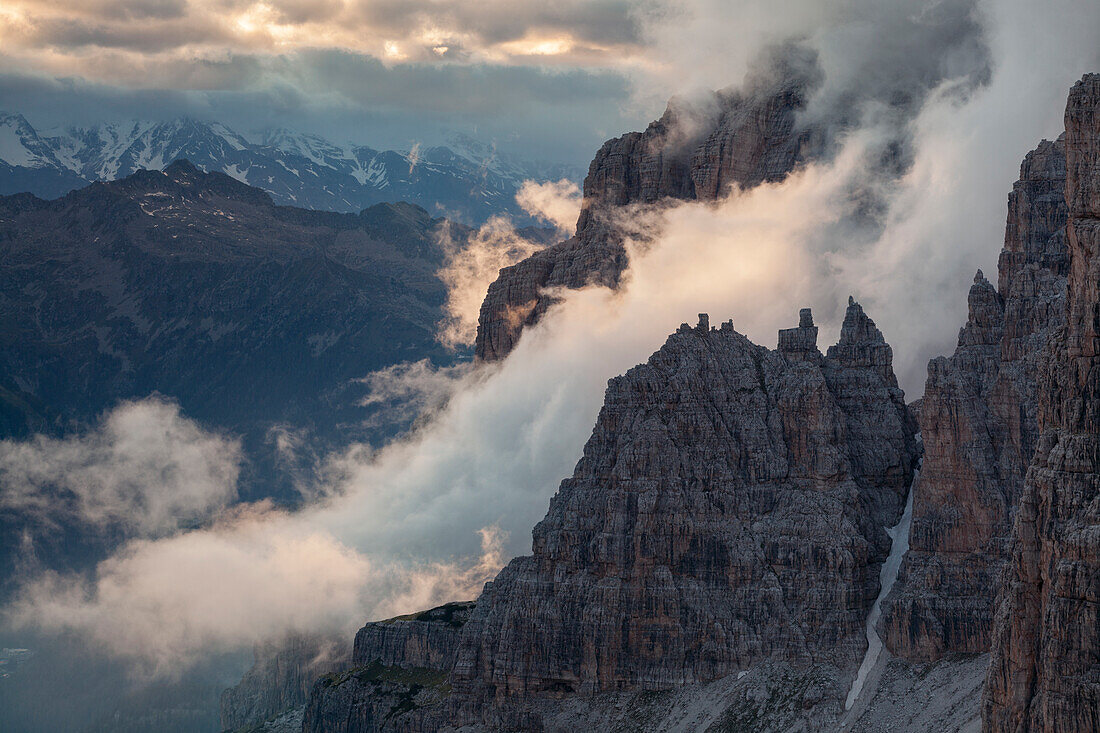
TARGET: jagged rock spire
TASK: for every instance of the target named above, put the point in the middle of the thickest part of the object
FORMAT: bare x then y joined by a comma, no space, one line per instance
1044,665
801,342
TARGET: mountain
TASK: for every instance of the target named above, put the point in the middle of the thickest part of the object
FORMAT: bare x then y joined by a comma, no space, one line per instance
197,286
723,540
744,138
465,180
735,521
1045,668
253,317
979,421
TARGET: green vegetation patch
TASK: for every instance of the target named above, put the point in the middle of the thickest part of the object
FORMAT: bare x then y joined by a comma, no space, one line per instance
453,614
376,672
409,682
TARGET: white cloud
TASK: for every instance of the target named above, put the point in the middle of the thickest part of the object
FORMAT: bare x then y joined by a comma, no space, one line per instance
472,264
554,202
411,391
256,576
146,469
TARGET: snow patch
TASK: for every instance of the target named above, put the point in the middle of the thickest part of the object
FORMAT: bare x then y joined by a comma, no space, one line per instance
888,574
13,148
235,171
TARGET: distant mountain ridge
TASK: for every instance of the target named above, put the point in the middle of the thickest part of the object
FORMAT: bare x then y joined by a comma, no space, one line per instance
466,180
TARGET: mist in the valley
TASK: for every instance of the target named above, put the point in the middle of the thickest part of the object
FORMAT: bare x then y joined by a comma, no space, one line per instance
930,108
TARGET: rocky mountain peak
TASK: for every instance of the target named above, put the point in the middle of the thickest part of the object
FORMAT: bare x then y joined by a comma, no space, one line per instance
979,422
182,171
800,342
1044,667
862,344
857,327
698,150
738,518
985,323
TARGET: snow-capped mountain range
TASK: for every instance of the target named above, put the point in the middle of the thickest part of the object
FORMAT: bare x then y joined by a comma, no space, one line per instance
465,180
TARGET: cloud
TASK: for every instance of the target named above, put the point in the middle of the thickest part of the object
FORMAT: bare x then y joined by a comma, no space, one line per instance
544,80
334,93
256,576
574,32
409,391
146,470
554,202
867,48
471,264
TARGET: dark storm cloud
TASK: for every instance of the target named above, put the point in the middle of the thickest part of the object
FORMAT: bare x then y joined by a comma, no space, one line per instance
466,90
547,79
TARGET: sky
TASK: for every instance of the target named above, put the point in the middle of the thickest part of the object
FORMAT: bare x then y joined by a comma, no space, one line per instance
961,89
551,80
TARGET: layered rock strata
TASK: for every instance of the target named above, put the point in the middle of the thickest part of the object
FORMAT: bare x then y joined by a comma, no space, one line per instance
722,513
1044,673
693,152
979,427
728,510
425,639
398,676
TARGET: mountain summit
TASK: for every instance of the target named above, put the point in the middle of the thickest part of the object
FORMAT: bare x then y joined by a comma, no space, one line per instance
465,180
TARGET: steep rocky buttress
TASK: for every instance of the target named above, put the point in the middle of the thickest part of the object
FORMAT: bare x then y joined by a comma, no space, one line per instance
979,428
749,137
728,511
1045,668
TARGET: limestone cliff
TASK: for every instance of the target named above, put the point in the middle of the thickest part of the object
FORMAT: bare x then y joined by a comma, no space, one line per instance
1044,673
398,676
693,152
979,427
729,507
728,511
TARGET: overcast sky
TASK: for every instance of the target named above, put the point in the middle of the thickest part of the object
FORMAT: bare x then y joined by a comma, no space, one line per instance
552,80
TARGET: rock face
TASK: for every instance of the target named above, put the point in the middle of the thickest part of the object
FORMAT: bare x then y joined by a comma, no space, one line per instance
979,427
729,507
741,140
426,639
280,680
399,666
728,510
1045,668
